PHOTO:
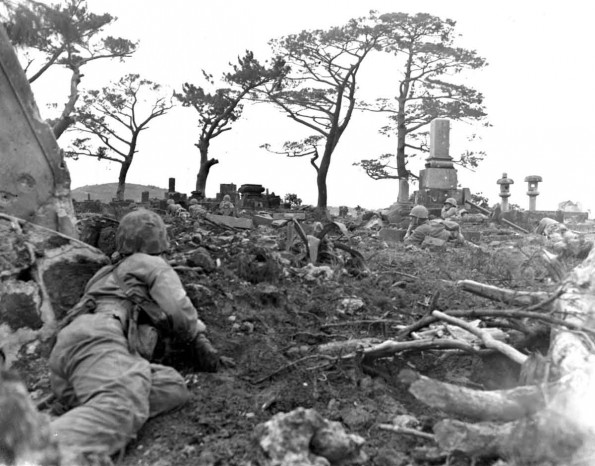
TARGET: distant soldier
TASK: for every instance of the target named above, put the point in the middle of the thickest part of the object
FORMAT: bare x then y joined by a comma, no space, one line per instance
226,207
449,209
172,207
421,227
195,209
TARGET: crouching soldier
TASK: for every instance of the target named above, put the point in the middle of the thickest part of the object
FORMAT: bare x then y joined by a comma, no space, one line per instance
449,210
420,227
226,207
99,367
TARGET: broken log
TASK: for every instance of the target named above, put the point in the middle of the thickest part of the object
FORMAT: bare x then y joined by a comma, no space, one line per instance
504,295
491,405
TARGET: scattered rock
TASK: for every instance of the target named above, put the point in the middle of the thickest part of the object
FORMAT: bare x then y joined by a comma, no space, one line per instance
303,437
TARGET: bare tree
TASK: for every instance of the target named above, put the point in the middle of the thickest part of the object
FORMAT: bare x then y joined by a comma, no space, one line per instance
112,119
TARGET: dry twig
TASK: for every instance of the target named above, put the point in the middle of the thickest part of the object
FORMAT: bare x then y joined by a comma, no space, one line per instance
488,340
407,431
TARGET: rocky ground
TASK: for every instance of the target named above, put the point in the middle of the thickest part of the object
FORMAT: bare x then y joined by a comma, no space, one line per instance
296,333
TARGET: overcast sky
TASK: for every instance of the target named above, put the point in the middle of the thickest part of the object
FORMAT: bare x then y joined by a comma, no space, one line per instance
537,88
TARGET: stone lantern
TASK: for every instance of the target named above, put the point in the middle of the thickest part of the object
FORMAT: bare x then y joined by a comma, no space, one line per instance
504,183
532,191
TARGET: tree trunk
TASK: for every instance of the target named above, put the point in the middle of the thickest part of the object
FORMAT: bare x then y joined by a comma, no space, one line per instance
122,180
321,177
203,173
205,165
402,172
65,120
403,195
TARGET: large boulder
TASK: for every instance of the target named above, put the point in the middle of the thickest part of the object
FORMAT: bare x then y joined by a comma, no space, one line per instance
42,275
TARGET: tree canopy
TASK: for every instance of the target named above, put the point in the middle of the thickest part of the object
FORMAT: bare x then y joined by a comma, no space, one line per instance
320,91
217,110
111,120
428,63
67,35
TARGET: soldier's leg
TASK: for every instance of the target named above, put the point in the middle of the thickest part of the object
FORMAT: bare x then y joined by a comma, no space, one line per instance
168,390
112,386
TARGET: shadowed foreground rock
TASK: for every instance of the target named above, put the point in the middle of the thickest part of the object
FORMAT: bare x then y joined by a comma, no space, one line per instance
25,437
303,437
42,275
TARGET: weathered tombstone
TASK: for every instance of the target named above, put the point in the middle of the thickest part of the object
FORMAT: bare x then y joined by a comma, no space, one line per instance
34,180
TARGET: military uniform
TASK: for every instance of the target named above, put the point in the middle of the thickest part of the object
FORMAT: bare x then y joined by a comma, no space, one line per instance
109,390
433,228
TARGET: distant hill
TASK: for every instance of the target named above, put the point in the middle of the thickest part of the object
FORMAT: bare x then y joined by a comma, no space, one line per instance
106,192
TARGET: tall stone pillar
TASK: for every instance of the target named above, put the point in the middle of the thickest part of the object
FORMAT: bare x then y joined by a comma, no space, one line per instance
438,180
439,172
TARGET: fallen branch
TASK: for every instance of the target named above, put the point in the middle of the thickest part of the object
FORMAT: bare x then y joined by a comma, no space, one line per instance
390,347
492,405
563,432
406,431
546,438
362,322
485,337
507,313
288,366
517,298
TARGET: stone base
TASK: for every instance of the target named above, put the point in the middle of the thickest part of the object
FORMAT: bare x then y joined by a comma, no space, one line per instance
434,199
438,178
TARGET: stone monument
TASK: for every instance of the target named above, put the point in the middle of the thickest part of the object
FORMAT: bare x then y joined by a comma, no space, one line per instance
504,183
532,190
438,180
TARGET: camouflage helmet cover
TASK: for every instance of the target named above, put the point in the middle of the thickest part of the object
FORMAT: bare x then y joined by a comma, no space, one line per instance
419,211
141,231
452,201
192,201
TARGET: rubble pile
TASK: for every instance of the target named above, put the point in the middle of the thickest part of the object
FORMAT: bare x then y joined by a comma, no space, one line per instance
317,315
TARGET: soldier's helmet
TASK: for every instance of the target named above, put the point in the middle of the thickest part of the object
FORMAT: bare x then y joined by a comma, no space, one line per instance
141,231
193,201
227,198
419,211
452,201
170,202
